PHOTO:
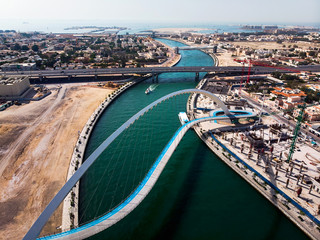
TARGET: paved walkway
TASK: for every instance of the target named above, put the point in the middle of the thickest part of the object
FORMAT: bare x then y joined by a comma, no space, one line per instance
295,180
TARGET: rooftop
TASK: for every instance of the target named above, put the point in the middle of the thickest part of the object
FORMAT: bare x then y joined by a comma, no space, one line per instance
11,80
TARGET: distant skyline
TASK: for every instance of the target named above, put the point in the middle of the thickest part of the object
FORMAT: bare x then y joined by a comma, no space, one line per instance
165,11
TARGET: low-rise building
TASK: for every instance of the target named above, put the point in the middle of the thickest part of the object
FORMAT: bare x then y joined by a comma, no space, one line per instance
288,93
13,86
18,67
287,98
311,113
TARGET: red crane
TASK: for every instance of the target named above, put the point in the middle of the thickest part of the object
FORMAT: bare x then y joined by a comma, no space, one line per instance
243,62
257,63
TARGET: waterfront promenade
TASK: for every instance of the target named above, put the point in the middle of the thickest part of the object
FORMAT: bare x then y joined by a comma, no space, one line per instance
268,171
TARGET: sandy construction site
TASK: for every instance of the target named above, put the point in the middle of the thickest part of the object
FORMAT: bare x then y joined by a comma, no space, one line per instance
36,143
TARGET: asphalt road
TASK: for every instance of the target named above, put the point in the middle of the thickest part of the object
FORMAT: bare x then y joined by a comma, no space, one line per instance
101,71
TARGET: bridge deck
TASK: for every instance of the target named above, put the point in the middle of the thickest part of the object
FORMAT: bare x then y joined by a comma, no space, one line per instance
156,70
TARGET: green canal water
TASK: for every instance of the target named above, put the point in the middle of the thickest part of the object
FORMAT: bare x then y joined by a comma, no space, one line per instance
197,196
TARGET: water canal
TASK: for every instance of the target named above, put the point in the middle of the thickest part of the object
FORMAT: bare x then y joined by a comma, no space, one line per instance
196,197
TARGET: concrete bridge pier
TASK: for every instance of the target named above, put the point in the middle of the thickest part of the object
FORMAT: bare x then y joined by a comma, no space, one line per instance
155,78
197,77
214,49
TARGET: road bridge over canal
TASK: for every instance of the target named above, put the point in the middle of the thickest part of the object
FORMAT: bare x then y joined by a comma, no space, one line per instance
152,70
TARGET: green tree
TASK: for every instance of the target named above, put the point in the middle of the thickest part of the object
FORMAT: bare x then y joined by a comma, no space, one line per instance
65,58
302,55
16,47
35,48
93,55
312,53
39,64
24,48
276,74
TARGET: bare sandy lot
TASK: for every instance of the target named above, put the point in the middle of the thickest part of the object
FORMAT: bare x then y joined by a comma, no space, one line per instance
36,143
274,45
225,58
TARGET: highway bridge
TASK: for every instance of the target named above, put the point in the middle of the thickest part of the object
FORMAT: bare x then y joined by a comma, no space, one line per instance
196,48
153,70
134,199
177,49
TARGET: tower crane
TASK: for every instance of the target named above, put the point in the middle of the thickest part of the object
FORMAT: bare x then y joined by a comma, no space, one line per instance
257,63
297,129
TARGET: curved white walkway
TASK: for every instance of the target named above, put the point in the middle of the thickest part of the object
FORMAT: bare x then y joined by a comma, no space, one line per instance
143,189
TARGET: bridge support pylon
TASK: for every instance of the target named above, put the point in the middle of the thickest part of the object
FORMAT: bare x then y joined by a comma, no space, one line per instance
155,78
197,77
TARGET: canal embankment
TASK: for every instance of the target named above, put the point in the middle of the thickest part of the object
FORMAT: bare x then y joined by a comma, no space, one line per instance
70,214
71,202
211,54
193,175
288,205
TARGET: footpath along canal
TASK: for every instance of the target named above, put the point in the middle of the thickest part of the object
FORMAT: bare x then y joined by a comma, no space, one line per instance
196,197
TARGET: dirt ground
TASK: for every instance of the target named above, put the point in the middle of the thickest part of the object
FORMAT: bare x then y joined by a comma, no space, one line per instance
225,58
36,143
274,45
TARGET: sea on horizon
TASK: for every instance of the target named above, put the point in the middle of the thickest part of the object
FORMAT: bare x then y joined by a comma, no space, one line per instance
60,26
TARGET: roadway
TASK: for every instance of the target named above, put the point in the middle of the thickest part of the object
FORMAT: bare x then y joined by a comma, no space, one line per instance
155,70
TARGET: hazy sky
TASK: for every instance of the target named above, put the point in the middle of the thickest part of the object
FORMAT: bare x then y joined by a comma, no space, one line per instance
175,11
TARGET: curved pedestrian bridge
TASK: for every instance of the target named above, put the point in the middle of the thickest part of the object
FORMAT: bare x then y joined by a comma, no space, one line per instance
142,190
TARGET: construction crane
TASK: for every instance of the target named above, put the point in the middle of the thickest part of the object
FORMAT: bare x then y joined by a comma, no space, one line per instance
242,73
251,62
257,63
297,129
302,107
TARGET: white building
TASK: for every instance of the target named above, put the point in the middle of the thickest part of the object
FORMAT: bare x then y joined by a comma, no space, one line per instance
18,67
13,87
